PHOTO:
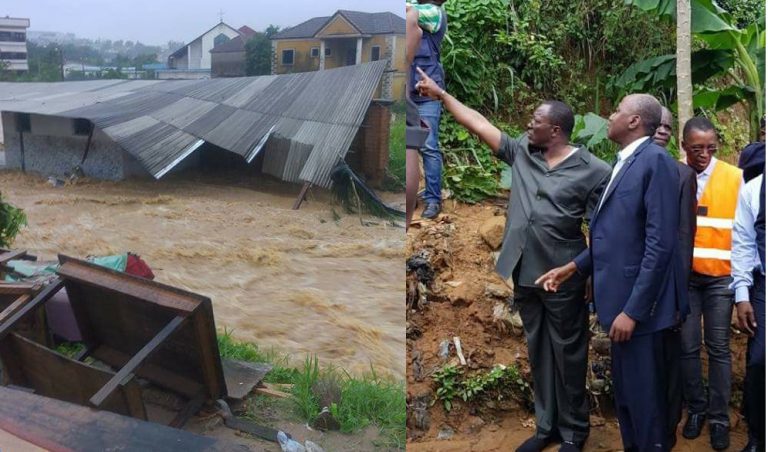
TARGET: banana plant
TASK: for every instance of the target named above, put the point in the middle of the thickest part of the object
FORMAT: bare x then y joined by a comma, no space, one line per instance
737,52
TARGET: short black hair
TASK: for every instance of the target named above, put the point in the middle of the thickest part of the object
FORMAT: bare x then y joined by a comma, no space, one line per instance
649,110
561,115
698,123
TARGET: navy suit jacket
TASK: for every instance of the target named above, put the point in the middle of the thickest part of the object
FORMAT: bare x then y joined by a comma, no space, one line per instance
634,254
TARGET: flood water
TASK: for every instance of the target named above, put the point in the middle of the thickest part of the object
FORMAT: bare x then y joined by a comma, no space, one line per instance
299,281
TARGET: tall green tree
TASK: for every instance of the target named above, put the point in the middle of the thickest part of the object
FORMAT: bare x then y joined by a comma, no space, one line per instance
258,52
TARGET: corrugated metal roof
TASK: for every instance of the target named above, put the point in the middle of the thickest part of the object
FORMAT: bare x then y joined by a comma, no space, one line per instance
304,123
367,23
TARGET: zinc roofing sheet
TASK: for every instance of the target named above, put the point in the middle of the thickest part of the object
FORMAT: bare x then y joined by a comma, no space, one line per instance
303,123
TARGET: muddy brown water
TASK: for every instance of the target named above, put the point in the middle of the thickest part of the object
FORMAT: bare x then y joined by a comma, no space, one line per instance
301,281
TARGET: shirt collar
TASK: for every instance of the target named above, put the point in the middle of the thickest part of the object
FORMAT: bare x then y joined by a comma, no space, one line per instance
631,148
711,167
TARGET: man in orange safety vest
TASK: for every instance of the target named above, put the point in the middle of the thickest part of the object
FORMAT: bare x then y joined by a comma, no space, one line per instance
708,290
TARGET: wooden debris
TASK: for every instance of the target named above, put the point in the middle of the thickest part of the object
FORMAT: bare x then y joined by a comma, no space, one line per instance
271,391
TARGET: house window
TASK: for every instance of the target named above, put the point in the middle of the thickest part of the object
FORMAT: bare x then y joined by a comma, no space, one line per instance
315,52
375,51
327,51
288,57
220,39
13,56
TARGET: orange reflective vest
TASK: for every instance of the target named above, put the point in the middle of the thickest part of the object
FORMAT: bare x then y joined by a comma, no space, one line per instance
714,221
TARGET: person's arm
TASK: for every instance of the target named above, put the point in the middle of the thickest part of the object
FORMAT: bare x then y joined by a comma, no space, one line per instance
744,256
661,229
595,194
467,117
412,33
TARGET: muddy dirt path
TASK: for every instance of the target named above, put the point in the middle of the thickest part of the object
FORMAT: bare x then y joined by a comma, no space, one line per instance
461,303
298,281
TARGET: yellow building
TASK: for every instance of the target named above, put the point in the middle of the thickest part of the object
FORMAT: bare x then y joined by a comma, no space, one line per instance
344,39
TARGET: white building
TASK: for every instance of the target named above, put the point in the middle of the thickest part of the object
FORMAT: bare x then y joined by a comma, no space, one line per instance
13,43
194,59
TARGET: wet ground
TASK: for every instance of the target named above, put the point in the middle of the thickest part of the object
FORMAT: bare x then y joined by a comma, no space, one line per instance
306,281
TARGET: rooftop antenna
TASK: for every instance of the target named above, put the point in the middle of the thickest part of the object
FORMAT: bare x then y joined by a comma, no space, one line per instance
221,16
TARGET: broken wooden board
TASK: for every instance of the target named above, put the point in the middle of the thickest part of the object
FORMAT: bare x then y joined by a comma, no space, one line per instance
55,425
241,377
123,313
48,373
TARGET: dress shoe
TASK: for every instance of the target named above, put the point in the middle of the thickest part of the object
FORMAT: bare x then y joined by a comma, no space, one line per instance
534,444
693,425
431,211
571,446
751,446
719,436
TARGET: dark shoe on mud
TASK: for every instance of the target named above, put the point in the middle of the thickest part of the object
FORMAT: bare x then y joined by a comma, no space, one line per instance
431,211
719,436
751,446
693,425
571,446
534,444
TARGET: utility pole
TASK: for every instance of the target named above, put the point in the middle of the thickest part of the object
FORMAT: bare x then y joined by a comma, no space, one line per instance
684,83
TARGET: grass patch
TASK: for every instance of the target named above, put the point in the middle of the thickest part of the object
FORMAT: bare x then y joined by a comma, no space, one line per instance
355,401
281,371
70,349
395,180
363,401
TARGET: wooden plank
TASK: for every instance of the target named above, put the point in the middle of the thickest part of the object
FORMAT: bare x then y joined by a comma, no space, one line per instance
143,290
272,393
192,407
56,425
14,307
11,256
302,195
210,359
52,374
241,377
136,361
156,374
29,308
18,288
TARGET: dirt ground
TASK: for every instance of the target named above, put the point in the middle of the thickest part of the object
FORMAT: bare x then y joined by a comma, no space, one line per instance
461,303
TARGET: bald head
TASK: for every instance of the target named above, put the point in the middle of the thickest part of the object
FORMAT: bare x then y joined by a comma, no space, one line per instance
637,116
664,131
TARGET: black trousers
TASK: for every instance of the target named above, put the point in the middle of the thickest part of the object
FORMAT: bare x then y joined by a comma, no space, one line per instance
639,381
556,328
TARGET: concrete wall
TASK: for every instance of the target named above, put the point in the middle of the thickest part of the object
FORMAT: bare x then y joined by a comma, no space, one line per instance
369,152
52,149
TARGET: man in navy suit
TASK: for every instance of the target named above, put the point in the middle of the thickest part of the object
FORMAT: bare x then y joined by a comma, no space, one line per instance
636,270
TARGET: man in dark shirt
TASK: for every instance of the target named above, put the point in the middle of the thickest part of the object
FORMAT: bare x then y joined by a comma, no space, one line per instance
686,233
555,187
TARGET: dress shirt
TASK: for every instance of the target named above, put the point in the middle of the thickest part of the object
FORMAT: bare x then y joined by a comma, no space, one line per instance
744,257
621,157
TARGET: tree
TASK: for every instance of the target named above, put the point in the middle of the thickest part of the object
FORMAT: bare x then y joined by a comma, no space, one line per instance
737,53
258,52
683,66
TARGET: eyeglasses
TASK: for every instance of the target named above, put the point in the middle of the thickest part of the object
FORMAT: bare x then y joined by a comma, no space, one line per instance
703,149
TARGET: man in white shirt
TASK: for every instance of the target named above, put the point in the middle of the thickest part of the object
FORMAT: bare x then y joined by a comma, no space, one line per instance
748,270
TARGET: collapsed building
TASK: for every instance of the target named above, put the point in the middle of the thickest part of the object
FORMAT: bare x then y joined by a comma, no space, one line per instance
296,127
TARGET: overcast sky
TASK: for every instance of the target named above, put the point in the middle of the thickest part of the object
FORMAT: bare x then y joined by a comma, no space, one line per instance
158,21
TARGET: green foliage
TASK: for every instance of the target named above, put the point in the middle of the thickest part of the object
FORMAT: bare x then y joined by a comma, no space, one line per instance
470,172
740,54
591,130
395,180
282,371
305,401
12,220
448,385
499,383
